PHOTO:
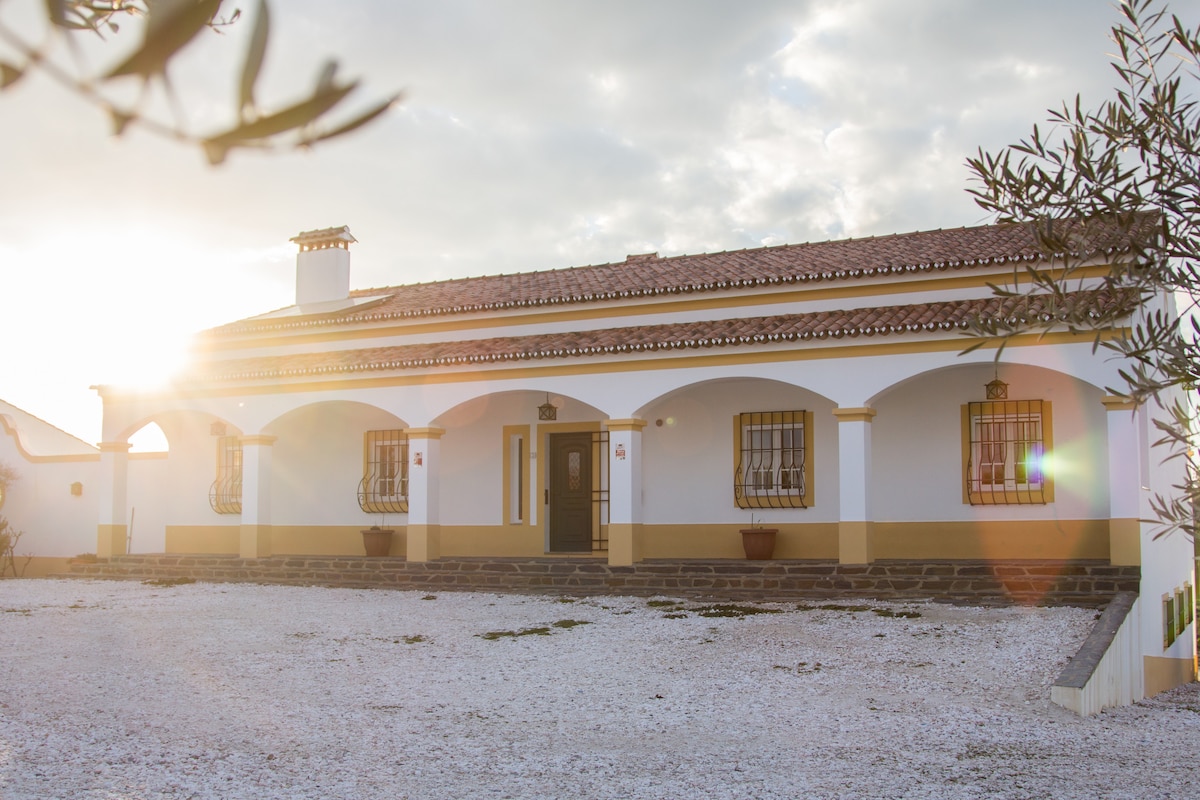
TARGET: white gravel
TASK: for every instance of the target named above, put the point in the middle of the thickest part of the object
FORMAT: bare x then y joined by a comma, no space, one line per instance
124,691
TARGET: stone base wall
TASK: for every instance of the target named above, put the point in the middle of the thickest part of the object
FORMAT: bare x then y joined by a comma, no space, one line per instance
1077,583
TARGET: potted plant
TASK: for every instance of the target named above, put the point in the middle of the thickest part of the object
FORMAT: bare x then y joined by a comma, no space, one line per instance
758,542
377,540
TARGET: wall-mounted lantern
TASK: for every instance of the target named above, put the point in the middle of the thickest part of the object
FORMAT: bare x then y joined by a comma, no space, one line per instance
547,410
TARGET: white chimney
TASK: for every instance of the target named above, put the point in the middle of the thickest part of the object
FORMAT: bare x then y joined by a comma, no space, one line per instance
323,265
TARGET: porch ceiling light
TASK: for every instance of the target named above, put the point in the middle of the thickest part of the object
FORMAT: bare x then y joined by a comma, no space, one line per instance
997,389
547,410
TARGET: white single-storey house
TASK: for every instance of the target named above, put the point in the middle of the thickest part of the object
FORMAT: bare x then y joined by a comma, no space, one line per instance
653,407
53,499
53,494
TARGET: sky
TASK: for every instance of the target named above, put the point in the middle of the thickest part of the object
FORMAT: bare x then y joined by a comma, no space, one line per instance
533,134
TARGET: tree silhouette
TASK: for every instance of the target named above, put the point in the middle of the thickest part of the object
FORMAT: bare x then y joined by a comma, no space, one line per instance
167,28
1130,170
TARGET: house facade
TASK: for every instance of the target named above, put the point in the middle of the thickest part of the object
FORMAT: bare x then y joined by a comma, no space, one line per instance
652,408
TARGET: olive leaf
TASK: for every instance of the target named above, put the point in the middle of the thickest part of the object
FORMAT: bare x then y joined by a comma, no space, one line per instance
9,74
169,28
255,53
355,123
290,118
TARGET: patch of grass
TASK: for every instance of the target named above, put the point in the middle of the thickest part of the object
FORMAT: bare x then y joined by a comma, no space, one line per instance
492,636
563,624
430,597
417,639
887,612
676,615
23,611
859,609
663,603
565,600
168,581
803,668
733,610
834,607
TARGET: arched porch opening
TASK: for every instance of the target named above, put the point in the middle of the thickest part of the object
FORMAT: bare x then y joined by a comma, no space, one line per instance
958,475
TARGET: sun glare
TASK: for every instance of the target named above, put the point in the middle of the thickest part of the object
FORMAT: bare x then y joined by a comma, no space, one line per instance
128,298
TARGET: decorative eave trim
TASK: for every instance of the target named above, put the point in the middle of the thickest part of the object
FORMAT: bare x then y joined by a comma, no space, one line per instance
239,328
680,342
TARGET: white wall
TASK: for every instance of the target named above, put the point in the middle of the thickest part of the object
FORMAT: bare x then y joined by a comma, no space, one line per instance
40,504
317,464
688,462
1168,562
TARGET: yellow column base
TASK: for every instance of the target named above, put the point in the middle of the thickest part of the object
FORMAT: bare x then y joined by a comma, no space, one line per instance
1125,542
424,542
255,541
110,540
854,542
624,544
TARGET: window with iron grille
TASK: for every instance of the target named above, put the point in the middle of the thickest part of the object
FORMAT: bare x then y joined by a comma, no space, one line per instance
225,494
1007,443
774,460
384,487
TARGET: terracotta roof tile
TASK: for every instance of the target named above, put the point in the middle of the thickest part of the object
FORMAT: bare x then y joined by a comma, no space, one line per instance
739,332
648,275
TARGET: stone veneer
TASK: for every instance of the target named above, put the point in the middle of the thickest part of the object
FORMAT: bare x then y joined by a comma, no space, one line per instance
1077,583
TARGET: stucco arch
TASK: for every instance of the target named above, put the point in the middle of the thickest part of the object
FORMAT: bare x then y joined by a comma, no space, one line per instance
350,413
179,424
516,406
1007,371
683,390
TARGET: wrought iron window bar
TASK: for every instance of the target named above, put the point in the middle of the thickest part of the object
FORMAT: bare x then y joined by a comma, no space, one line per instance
770,469
1007,448
384,486
225,494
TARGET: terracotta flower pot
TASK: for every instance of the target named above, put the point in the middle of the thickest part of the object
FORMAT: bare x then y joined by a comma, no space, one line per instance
377,541
759,543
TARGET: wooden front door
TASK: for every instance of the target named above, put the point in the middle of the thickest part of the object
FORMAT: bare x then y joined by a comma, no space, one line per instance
570,512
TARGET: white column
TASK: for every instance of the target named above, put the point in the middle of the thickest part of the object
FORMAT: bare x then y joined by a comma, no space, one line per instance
112,530
1124,482
625,491
854,476
256,496
424,522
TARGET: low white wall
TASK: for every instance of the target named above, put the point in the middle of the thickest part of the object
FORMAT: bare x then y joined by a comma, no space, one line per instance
39,504
1107,671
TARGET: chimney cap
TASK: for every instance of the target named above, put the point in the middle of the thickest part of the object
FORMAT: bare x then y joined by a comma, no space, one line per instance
324,237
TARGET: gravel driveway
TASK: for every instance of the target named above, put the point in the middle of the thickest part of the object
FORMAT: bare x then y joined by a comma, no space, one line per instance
125,691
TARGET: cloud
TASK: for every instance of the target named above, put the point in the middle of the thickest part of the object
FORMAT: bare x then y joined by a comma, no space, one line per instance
544,133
